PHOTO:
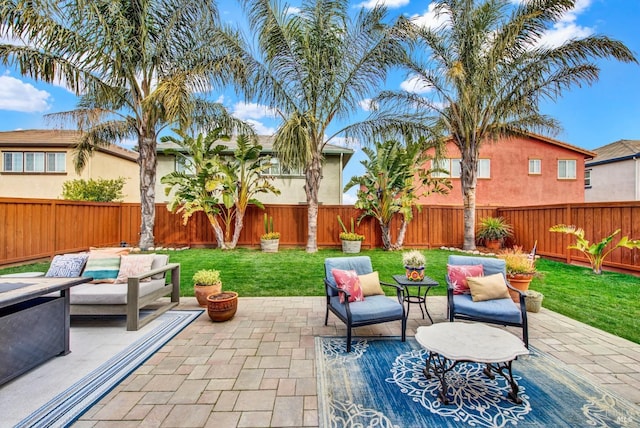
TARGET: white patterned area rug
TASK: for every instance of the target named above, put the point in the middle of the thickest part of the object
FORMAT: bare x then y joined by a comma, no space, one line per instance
103,353
381,384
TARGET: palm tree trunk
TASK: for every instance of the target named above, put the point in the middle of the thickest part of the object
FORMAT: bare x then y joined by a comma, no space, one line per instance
237,228
386,236
401,234
147,161
217,230
311,187
468,181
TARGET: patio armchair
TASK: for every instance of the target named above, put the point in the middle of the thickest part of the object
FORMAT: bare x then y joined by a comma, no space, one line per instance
374,309
502,311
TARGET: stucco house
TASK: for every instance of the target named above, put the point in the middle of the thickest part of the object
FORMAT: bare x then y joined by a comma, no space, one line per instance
518,171
614,173
291,183
35,164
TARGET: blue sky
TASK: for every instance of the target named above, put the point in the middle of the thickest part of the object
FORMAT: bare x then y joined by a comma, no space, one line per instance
591,116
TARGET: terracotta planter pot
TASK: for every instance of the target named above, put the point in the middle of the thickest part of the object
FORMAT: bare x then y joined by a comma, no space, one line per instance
351,247
520,282
222,306
493,244
414,273
204,291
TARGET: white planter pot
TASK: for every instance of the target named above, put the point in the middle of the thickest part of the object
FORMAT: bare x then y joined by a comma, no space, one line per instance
351,247
269,245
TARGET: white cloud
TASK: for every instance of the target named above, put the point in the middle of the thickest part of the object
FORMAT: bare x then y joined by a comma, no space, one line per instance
430,19
391,4
367,104
351,143
261,129
415,85
247,111
16,95
566,28
291,10
348,199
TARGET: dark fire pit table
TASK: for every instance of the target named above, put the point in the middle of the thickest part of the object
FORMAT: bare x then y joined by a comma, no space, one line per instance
34,325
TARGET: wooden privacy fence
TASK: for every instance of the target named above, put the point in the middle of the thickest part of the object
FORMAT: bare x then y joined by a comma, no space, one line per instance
36,229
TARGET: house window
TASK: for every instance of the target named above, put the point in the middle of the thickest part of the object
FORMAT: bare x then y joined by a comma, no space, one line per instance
185,165
484,168
587,178
276,169
453,168
566,169
444,166
535,167
12,161
56,162
34,162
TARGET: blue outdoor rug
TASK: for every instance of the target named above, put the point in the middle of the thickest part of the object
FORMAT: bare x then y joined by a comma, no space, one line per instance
67,406
381,384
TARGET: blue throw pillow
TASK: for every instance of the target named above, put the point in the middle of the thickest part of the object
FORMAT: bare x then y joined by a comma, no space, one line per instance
67,266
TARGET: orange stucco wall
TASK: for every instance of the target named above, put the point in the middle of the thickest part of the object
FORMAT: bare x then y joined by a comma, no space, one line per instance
510,183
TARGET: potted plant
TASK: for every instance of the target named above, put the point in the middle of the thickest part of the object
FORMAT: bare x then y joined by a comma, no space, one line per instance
520,269
351,241
533,301
414,262
205,283
269,240
222,306
492,231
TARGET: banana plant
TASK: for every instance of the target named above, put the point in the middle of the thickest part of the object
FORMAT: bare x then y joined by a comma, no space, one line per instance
596,253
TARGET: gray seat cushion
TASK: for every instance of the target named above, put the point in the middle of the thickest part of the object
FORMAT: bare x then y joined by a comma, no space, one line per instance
495,310
109,294
372,308
361,264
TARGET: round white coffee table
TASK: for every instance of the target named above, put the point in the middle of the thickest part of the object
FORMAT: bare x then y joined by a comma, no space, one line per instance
450,343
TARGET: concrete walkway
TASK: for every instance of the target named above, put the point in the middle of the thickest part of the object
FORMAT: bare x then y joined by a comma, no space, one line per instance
258,370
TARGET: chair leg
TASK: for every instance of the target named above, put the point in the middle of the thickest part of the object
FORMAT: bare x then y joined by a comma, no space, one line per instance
404,329
348,338
326,316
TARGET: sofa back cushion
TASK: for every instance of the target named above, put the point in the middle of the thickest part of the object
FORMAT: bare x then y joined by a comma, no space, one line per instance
67,265
103,264
134,264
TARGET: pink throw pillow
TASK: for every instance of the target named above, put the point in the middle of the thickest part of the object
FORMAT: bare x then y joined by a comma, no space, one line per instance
458,275
348,281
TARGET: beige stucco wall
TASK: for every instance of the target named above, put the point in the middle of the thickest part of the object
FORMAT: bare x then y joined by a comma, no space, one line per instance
49,186
291,188
616,181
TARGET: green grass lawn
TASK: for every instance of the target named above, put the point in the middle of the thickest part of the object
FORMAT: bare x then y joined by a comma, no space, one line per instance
608,301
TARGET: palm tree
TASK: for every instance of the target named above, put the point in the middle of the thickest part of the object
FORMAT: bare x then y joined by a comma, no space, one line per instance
220,186
487,70
137,66
393,181
313,66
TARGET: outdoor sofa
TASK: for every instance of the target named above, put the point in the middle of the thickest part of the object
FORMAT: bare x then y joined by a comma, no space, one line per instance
138,291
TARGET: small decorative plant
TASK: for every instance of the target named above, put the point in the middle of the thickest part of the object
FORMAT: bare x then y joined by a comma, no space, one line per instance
269,234
518,262
413,259
349,236
595,253
206,282
206,277
414,262
493,229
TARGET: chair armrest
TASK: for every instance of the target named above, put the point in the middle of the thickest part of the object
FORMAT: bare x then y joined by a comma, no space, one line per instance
338,290
399,289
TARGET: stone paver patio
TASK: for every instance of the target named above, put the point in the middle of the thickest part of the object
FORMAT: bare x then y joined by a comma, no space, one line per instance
258,370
